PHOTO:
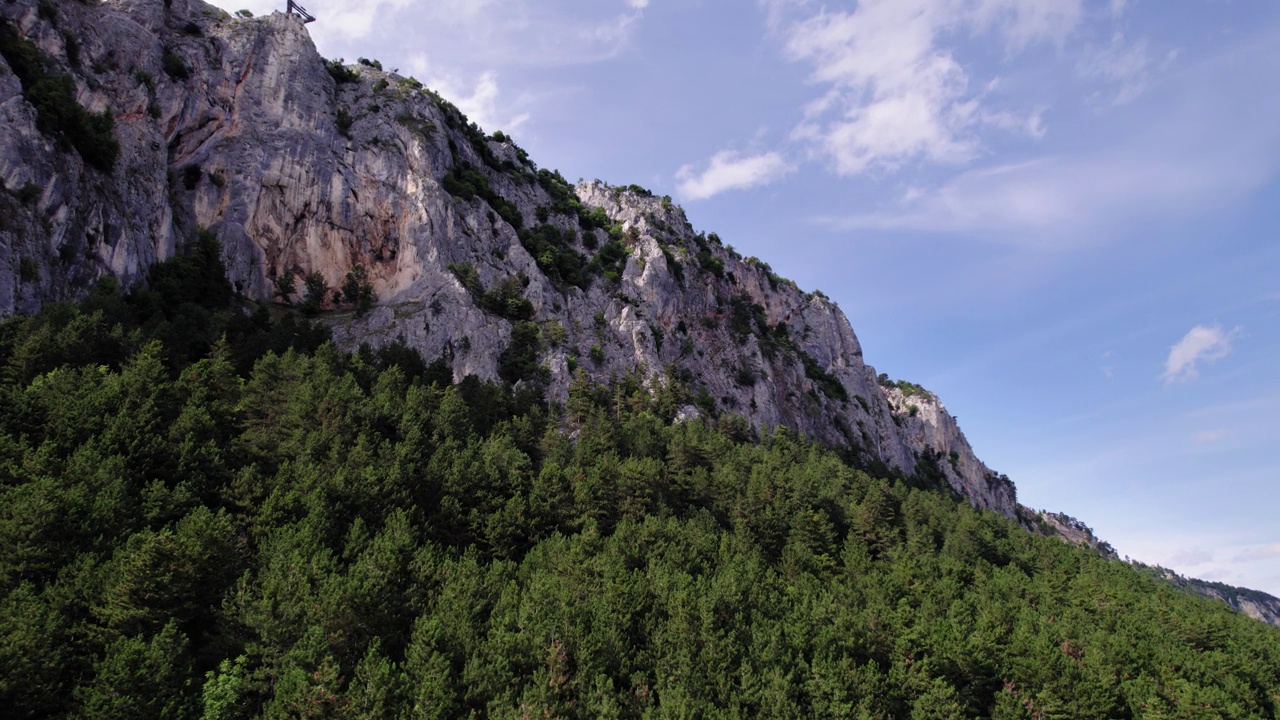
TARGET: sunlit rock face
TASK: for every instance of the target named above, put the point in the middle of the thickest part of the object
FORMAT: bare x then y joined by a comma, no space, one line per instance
299,167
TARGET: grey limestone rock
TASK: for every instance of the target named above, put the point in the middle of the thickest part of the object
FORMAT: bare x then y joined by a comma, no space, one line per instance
300,166
305,167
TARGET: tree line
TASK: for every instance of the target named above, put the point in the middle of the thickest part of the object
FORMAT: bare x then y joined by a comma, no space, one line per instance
209,511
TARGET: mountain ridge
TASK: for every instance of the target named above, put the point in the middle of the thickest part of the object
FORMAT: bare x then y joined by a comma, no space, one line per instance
304,167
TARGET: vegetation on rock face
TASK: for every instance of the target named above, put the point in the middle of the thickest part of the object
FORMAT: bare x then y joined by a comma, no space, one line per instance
829,384
344,121
174,66
340,73
209,512
553,250
909,389
53,95
506,300
423,127
466,182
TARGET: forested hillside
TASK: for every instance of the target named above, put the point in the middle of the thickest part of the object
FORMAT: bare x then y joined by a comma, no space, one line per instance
206,511
330,184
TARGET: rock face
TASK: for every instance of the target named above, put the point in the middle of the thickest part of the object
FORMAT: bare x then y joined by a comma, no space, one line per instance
1254,603
302,167
1257,605
1066,527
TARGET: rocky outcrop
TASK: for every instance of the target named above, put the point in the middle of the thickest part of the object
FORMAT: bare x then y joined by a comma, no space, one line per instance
304,167
1256,604
1067,528
929,429
1253,603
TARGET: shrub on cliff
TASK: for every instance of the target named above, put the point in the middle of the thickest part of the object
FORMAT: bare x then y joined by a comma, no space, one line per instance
340,73
174,66
53,95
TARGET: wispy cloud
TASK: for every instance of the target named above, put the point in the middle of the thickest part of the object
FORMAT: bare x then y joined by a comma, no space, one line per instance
1258,552
896,92
1198,139
1197,551
350,20
1191,557
479,99
462,48
1054,200
1208,437
497,33
1123,65
475,34
1201,344
729,170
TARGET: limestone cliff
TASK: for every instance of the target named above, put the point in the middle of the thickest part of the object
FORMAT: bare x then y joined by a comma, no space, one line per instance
301,166
1066,527
1254,603
125,125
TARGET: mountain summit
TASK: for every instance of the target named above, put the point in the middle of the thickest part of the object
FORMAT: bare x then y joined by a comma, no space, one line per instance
128,125
306,168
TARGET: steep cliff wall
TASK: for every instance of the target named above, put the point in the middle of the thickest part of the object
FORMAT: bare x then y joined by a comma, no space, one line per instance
303,167
928,428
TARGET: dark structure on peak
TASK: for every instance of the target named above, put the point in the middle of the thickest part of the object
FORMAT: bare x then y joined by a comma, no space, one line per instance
296,9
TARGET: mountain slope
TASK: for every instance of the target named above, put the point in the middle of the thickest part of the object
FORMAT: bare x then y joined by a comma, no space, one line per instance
129,124
212,513
303,167
1256,604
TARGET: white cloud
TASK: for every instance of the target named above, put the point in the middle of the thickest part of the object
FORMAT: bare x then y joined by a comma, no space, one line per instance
461,48
1199,139
524,33
1208,437
1258,552
469,34
777,12
1046,200
336,22
1191,557
1122,65
1200,344
1025,21
895,92
729,170
477,99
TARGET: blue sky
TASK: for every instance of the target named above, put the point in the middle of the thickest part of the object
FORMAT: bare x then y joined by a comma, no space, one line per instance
1059,215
